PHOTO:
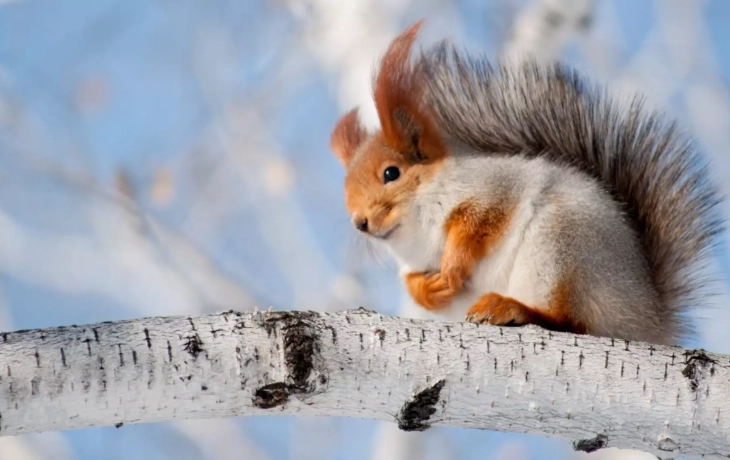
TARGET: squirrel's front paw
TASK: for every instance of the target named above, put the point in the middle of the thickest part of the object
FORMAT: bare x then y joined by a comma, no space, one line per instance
431,290
495,309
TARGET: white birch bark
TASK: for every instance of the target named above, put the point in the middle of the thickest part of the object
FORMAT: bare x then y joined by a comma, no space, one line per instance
598,392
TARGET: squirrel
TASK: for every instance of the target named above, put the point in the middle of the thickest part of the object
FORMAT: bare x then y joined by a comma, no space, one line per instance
524,194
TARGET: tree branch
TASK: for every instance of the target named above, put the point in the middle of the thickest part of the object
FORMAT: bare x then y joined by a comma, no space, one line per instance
599,392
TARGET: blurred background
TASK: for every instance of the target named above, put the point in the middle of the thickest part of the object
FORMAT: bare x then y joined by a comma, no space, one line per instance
166,157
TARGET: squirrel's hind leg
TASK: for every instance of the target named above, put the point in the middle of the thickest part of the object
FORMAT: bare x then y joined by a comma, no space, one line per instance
498,310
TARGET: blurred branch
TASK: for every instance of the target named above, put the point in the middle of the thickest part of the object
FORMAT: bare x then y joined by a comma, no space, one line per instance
35,447
347,38
240,131
545,26
164,264
220,439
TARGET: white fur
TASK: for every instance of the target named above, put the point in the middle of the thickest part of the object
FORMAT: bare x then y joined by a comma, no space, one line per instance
521,266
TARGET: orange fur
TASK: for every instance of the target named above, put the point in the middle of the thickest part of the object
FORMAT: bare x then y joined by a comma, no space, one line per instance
495,309
471,231
498,310
408,139
561,306
406,123
347,136
366,195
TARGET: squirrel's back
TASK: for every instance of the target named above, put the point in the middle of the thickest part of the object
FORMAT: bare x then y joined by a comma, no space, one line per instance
655,174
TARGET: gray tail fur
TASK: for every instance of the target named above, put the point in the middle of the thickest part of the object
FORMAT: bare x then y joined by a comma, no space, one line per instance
640,158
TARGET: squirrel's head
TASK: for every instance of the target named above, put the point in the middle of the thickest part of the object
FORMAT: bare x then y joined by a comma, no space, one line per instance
385,168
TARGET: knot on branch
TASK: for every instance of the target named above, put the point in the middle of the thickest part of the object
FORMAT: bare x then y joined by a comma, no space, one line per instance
271,395
304,369
697,361
592,444
416,413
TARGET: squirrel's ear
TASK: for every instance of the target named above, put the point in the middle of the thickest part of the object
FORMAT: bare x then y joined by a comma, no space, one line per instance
407,123
347,136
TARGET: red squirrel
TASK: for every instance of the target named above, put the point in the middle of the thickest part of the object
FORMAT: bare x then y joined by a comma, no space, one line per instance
523,194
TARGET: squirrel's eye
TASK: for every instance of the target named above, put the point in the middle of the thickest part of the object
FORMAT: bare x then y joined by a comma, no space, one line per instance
390,174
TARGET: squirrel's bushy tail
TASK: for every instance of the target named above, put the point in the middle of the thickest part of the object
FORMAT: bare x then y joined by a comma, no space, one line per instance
641,158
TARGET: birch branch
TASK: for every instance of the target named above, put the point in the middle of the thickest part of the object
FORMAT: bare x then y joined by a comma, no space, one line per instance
598,392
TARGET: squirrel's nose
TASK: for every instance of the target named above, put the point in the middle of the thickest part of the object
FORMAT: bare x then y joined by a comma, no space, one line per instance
361,224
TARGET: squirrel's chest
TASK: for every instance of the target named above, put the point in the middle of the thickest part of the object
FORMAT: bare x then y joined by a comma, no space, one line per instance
420,251
419,244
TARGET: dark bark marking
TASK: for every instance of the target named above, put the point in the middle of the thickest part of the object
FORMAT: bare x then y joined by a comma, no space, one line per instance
667,444
193,345
271,395
697,361
301,344
381,335
334,334
416,413
591,445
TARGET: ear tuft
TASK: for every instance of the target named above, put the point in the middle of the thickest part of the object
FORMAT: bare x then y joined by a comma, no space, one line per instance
407,123
347,137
